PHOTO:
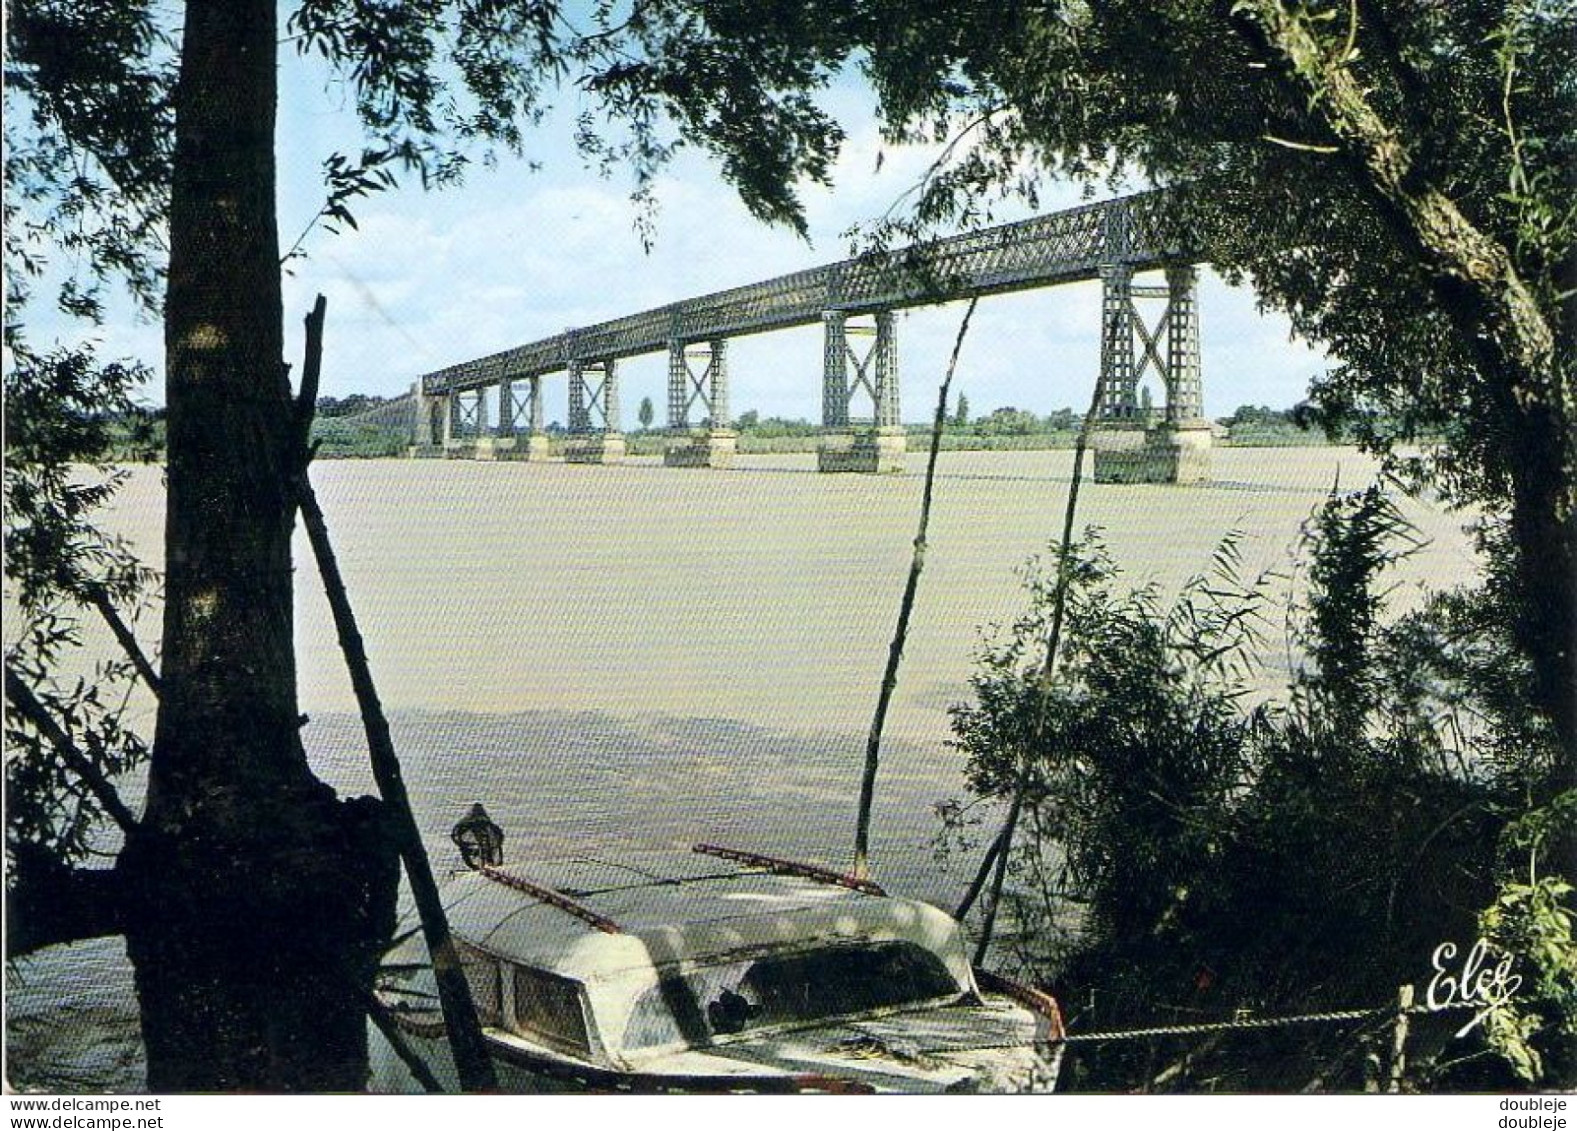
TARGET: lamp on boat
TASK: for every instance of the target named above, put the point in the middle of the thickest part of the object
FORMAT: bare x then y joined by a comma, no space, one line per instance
479,838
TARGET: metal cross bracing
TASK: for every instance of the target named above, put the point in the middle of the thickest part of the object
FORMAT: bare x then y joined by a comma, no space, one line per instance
860,377
512,406
470,414
850,371
593,396
1062,247
1169,346
698,373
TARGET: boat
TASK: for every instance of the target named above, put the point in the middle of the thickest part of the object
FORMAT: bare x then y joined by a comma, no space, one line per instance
713,971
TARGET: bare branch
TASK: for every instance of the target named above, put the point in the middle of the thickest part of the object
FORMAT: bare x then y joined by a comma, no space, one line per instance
125,637
873,743
472,1061
1047,671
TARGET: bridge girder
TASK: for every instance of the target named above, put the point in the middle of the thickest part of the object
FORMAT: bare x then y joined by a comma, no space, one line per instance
1063,247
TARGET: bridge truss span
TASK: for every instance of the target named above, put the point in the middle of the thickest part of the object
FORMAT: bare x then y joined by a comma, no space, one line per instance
853,300
1062,247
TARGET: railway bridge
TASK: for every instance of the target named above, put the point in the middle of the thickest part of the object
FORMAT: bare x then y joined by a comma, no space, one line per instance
854,300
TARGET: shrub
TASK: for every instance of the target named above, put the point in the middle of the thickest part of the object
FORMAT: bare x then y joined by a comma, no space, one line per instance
1192,849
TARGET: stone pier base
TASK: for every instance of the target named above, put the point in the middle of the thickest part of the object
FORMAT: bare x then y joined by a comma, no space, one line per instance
523,448
1167,454
878,451
704,449
605,448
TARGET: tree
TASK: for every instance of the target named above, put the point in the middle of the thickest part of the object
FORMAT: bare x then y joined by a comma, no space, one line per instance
645,414
253,901
1007,421
961,413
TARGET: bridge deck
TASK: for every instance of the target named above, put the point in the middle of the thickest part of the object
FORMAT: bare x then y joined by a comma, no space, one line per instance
1062,247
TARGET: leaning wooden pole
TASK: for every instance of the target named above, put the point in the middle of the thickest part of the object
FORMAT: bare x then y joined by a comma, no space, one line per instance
873,743
472,1063
1043,682
982,874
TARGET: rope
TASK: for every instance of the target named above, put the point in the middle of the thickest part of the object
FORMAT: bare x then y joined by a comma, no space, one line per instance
436,1028
1243,1023
416,1028
1228,1026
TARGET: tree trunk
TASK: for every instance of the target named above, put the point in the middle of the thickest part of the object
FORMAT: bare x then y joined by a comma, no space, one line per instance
259,902
1529,389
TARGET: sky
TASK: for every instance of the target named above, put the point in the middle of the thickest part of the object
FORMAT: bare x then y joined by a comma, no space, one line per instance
429,279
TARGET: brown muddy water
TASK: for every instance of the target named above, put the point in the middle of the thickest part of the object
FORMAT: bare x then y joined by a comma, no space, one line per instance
642,656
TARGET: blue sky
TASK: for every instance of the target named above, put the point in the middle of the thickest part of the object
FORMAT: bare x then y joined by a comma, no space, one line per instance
433,278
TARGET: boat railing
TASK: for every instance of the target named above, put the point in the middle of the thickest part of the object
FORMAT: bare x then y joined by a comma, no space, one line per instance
551,897
782,867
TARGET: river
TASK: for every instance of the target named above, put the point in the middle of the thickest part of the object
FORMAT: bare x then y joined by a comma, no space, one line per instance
643,656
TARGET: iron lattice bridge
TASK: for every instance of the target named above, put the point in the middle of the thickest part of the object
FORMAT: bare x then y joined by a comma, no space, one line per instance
854,299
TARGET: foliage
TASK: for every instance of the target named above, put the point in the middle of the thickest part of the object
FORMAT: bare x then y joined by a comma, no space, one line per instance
772,427
63,411
1133,733
340,438
88,147
1007,421
1534,916
1196,846
1262,426
436,80
348,405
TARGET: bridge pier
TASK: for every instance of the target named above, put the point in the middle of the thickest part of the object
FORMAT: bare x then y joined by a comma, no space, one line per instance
713,443
857,445
1129,446
427,424
594,413
465,431
513,441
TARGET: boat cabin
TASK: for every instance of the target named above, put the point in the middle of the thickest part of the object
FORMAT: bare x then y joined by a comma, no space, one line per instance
693,967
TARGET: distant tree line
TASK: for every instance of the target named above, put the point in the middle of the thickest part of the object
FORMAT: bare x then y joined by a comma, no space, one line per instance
349,406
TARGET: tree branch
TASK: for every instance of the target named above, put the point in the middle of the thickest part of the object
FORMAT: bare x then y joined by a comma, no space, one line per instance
1503,324
1048,671
873,742
311,371
979,882
125,637
1528,391
23,699
48,902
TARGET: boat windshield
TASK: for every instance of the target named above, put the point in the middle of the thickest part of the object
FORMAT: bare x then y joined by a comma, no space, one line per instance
734,997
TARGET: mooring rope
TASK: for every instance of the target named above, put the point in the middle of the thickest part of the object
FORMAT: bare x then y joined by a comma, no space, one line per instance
416,1028
1237,1024
1203,1027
